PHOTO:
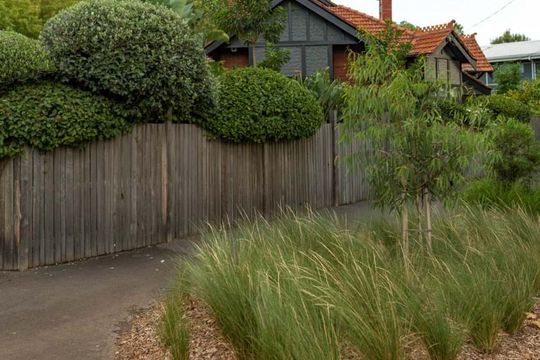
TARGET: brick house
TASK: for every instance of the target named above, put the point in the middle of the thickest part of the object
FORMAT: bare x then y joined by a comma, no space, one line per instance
320,34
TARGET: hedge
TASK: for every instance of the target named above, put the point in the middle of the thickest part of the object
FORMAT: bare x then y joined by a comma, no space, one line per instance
508,107
142,54
260,105
50,115
21,59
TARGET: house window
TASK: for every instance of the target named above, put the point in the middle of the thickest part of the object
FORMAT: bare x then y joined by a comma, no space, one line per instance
526,71
537,66
442,69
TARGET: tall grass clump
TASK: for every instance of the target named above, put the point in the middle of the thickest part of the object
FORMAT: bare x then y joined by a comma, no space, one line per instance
308,287
174,328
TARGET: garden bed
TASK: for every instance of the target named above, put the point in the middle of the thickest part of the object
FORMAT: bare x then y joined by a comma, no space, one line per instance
141,340
310,287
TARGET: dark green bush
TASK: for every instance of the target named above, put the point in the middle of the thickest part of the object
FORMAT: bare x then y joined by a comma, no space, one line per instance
140,53
518,151
507,106
50,115
258,105
507,77
451,110
491,193
21,59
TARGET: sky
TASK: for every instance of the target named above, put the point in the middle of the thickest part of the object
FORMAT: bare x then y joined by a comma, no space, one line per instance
520,16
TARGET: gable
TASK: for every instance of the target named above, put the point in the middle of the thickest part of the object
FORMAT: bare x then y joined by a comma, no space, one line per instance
306,23
304,26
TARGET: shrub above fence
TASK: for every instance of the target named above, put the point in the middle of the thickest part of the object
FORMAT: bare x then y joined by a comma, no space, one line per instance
49,115
260,105
21,59
140,53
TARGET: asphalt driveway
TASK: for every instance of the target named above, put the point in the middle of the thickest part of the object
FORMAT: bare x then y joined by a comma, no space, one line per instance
72,311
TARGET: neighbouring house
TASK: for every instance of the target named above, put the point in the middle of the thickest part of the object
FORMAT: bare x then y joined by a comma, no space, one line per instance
320,34
525,53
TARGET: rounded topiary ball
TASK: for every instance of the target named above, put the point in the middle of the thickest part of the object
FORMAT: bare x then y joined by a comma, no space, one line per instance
21,59
259,105
140,53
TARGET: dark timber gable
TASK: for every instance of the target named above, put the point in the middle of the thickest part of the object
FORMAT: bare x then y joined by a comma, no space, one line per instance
312,35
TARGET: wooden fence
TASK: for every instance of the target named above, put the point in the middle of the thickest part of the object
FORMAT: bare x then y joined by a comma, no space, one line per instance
157,183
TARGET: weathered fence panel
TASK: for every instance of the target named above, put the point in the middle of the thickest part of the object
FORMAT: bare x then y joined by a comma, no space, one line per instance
159,182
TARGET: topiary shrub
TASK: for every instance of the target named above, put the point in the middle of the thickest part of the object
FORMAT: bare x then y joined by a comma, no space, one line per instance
21,59
259,105
140,53
49,115
508,107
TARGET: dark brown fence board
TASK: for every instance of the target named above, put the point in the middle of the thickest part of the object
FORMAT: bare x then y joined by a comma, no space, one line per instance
158,183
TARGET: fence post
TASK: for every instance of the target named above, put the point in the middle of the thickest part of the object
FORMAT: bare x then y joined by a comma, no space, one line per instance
335,170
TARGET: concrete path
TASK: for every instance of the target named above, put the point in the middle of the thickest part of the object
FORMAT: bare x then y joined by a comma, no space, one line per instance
72,311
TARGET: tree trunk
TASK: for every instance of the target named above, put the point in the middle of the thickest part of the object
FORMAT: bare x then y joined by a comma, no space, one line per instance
427,199
405,232
419,213
253,55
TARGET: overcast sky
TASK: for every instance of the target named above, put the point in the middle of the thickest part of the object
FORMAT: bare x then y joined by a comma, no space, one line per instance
522,16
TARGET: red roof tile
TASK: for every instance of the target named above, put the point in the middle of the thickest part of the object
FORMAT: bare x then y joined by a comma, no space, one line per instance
424,40
482,63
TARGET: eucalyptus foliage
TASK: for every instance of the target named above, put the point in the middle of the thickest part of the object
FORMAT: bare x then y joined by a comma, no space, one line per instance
415,157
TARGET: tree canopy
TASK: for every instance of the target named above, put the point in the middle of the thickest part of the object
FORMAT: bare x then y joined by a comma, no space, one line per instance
27,16
415,156
249,20
508,37
507,77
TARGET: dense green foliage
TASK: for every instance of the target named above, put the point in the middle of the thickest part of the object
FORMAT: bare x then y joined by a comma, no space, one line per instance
308,287
48,115
140,53
194,12
28,16
21,16
249,20
507,77
507,107
21,59
528,93
275,57
508,37
492,193
416,157
329,93
518,151
259,105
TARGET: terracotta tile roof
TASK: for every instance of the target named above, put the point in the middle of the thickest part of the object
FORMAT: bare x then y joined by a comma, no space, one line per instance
358,19
424,40
482,63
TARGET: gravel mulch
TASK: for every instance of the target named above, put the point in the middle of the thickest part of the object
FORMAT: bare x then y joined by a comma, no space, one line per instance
141,342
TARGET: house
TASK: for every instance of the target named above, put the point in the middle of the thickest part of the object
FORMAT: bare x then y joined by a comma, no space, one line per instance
525,53
320,34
